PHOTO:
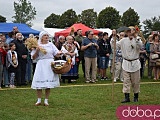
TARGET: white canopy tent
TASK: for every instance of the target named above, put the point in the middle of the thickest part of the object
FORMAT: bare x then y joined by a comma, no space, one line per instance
109,31
52,31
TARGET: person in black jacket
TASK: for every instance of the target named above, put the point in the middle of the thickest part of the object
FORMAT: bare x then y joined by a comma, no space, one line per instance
22,59
104,52
59,45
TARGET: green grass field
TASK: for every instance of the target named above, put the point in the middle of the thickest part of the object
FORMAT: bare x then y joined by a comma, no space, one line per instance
75,101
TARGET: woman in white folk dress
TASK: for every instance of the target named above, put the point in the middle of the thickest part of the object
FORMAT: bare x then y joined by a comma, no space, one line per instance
44,77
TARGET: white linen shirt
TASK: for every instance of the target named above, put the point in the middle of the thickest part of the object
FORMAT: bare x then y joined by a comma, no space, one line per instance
130,51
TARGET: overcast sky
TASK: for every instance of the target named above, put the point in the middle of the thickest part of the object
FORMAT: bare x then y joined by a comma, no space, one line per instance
145,8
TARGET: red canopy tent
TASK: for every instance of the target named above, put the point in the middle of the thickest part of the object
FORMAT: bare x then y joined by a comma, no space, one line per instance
76,26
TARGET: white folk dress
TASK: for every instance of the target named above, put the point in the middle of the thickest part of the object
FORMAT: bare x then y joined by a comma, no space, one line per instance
44,77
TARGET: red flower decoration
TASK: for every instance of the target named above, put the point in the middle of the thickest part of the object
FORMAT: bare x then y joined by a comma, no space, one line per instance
137,28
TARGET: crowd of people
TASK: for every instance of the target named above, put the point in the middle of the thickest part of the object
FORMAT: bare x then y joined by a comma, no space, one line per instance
18,64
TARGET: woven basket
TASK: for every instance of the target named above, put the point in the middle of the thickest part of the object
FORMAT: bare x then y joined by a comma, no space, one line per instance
64,69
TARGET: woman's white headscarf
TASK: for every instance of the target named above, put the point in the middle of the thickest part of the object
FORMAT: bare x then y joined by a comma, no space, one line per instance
41,35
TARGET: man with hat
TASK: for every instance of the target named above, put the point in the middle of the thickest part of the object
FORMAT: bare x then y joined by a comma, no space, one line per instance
130,47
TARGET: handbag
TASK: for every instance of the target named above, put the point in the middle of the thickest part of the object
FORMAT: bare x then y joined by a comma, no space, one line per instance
158,62
154,56
77,59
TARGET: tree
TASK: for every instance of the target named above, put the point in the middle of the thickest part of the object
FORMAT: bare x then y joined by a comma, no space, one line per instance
68,18
88,17
130,18
52,21
24,12
150,25
2,19
108,18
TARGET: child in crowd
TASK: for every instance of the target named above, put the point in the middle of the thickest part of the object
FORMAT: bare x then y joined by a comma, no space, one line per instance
12,63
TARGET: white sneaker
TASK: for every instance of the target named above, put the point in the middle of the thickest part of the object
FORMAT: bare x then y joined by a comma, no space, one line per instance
73,80
122,80
115,80
11,86
87,81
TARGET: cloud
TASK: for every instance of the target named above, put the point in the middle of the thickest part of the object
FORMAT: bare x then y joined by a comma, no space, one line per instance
145,9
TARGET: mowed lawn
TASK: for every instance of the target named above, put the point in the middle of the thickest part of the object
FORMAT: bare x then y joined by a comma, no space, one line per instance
75,101
87,102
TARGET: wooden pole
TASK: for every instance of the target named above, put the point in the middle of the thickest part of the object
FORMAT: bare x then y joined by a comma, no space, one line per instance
113,66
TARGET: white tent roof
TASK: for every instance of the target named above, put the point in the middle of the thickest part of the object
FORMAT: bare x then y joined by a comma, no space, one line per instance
109,31
52,31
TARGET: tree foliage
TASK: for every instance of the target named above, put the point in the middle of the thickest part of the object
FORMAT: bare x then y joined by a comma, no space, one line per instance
2,19
88,17
108,18
52,21
130,18
24,12
68,18
152,24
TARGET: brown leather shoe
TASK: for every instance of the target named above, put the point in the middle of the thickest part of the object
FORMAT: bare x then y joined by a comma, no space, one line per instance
37,104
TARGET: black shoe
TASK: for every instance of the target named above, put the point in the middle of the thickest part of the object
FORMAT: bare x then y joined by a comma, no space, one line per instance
69,81
25,84
106,78
63,80
102,78
126,99
135,97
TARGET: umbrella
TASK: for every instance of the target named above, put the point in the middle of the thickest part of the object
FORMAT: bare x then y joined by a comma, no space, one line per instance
122,29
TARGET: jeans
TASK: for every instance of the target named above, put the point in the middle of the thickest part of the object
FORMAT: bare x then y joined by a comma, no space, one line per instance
28,70
6,76
1,71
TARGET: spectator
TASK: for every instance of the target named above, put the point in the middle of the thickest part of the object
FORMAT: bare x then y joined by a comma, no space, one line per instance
90,47
104,52
148,55
3,37
15,30
154,49
111,39
59,45
100,37
5,70
12,63
11,37
70,51
2,60
79,38
22,59
118,61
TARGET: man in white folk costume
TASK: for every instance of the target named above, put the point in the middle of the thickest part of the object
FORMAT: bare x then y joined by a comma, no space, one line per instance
130,48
